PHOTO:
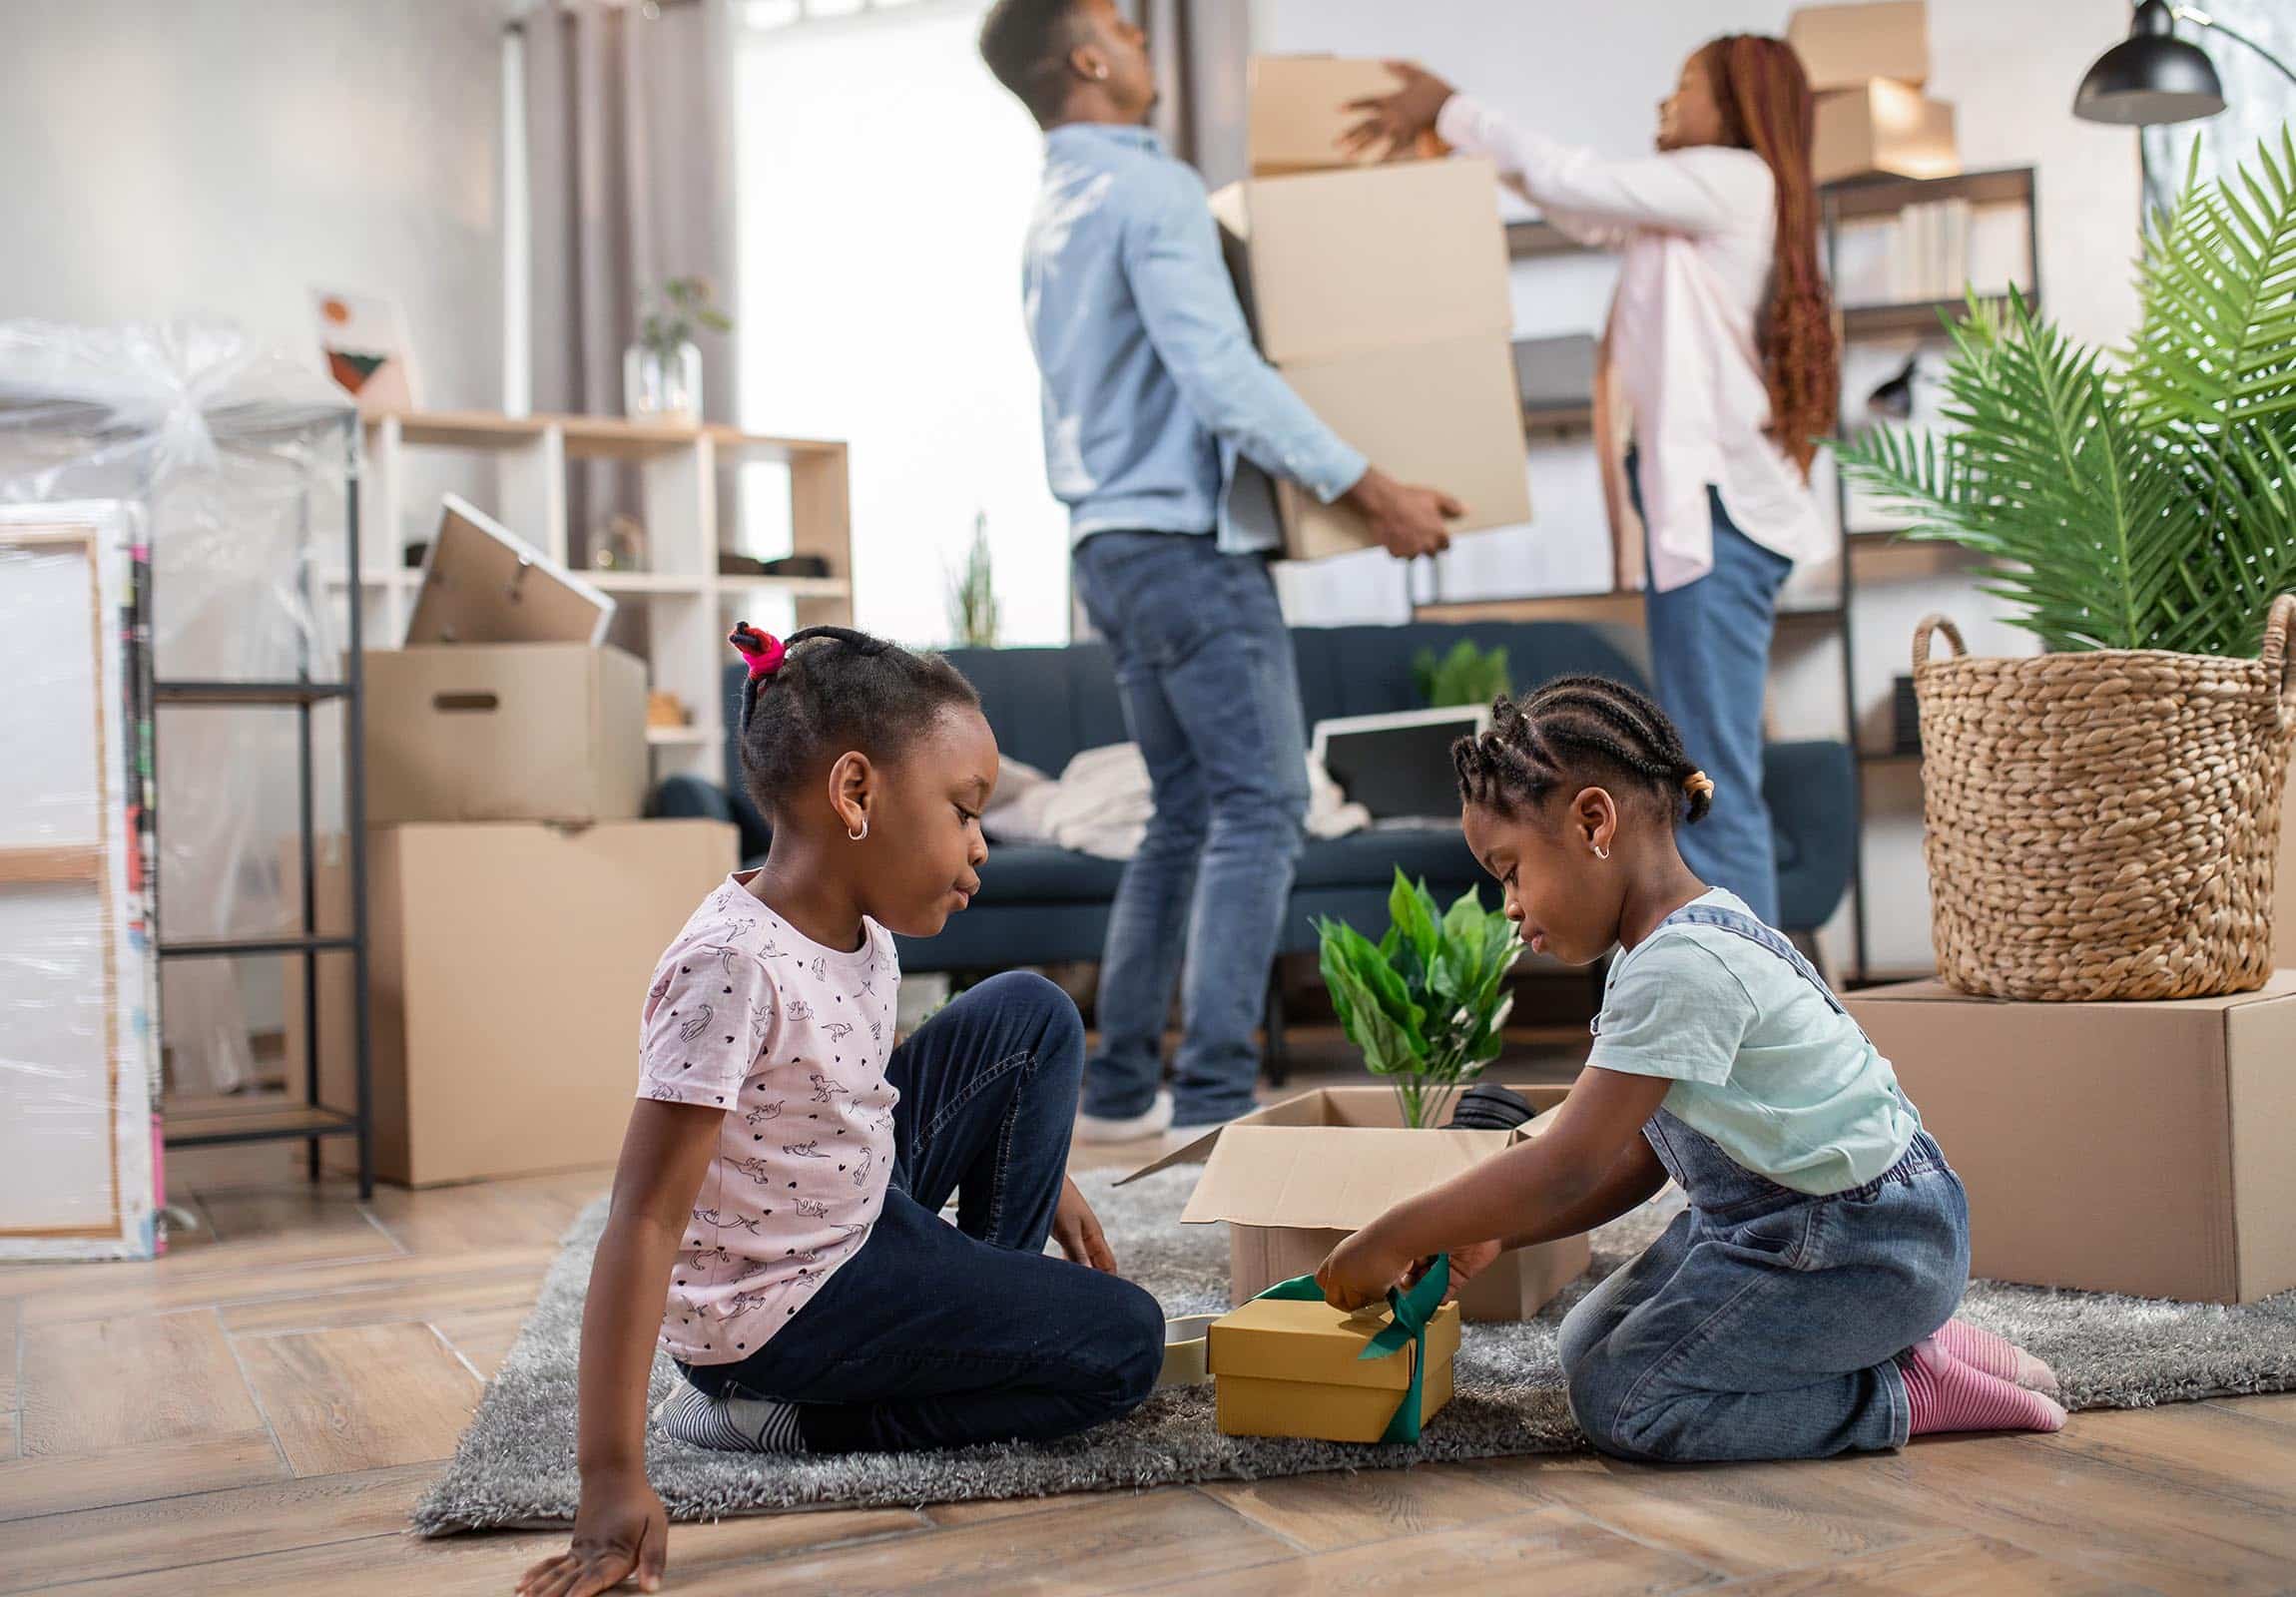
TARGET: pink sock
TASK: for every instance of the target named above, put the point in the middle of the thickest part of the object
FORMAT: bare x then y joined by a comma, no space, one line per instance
1947,1395
1997,1356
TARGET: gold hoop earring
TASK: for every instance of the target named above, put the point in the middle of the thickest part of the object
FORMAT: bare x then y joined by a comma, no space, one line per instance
856,836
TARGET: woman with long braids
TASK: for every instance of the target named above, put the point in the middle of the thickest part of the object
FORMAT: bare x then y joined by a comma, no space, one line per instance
1720,356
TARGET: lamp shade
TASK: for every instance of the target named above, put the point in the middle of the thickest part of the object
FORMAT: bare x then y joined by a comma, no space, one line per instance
2151,77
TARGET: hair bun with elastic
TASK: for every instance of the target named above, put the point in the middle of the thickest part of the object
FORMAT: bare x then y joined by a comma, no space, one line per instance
762,650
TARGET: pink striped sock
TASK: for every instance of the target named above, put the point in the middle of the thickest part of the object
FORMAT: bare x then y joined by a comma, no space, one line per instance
1997,1356
1947,1395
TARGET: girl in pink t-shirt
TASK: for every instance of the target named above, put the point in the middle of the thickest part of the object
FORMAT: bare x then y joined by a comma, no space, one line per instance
776,1222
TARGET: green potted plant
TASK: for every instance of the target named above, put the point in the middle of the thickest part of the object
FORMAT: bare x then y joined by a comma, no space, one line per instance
662,370
973,614
2103,818
1465,676
1425,1002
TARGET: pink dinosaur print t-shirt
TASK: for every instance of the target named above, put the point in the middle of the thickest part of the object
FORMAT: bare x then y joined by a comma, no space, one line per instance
790,1039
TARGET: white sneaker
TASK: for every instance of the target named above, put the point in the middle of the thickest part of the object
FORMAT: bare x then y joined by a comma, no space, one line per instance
1152,1122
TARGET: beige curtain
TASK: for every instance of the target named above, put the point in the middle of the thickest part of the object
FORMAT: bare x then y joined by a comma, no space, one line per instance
1200,48
629,138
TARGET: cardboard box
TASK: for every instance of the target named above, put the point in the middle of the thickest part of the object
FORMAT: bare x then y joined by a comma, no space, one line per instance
508,732
1296,112
1297,1369
509,968
1448,415
1841,46
1294,1177
1883,127
2114,1147
1331,264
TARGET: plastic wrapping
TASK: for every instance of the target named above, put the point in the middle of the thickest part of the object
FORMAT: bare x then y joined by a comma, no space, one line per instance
236,461
79,1061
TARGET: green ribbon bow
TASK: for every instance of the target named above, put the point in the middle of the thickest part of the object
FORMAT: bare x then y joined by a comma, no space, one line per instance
1412,1310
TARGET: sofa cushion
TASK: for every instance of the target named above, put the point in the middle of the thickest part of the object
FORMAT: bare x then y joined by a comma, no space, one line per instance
1038,874
1370,858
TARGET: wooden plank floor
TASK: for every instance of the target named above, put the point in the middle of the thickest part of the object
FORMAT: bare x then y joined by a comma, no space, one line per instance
256,1412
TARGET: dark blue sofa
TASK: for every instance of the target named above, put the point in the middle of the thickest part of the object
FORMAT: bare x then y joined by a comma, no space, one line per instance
1044,905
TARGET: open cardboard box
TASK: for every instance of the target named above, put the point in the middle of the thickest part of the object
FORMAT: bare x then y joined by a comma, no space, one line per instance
1294,1177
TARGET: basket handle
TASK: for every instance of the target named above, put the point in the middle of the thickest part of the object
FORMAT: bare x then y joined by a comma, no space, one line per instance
1934,622
2277,625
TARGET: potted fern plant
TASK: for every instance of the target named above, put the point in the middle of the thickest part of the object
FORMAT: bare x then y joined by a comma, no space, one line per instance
2102,818
1425,1002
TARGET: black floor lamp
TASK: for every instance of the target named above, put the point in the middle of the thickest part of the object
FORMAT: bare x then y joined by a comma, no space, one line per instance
2152,76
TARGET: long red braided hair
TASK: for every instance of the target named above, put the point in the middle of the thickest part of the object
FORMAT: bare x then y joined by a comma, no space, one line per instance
1764,98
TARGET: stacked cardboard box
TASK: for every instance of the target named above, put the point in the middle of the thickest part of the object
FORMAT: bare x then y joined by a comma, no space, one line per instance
2114,1147
1380,291
516,902
1867,65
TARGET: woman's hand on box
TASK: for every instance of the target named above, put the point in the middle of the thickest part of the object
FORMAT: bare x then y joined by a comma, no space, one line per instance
1358,1272
1396,122
1077,1229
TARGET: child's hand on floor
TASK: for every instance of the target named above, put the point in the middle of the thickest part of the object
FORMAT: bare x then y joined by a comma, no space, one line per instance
1077,1229
619,1530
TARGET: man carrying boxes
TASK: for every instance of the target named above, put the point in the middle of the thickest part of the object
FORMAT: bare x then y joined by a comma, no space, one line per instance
1163,427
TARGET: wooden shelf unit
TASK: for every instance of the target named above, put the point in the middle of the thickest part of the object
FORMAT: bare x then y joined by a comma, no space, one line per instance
689,603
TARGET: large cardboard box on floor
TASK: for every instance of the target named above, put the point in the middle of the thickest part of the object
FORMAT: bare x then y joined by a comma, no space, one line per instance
1296,112
2114,1147
1298,1370
509,971
1883,127
1842,46
1331,264
505,732
1294,1177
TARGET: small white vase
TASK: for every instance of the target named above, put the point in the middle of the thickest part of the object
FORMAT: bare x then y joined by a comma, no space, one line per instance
662,385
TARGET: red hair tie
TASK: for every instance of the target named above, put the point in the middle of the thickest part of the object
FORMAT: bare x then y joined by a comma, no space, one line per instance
762,650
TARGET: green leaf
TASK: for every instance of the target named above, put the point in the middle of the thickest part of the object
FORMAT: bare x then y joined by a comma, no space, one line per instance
1411,909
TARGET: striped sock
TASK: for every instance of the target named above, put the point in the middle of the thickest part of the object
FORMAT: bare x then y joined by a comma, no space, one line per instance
729,1425
1997,1356
1947,1395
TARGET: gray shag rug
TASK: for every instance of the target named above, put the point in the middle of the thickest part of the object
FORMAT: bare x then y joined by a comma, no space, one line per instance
515,1465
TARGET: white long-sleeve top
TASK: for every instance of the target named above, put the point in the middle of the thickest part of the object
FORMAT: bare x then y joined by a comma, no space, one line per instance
1695,229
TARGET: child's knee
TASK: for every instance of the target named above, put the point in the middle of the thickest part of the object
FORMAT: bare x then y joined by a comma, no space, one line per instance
1043,1005
1135,1330
1598,1401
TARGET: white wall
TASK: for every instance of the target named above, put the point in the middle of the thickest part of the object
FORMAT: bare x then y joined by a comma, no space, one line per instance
1595,74
218,160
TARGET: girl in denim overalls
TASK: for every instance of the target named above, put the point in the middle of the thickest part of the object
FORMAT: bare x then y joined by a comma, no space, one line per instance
1801,1305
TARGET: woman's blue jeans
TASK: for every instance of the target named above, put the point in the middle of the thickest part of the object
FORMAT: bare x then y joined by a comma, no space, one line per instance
1710,662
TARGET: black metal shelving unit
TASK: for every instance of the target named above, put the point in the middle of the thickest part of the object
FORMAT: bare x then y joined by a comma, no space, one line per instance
1866,198
302,694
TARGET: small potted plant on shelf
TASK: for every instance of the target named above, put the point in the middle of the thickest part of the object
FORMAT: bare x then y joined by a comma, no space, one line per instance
662,372
1465,676
2103,819
973,614
1425,1002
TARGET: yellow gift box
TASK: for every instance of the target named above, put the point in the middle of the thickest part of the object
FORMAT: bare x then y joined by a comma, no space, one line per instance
1298,1369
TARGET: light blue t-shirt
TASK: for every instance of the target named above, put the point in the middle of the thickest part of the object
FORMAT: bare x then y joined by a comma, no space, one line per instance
1784,1083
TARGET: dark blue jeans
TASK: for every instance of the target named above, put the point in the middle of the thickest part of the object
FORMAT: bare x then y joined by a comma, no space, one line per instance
1710,663
1212,697
936,1336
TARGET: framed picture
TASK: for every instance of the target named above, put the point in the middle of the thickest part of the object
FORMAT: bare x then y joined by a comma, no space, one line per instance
365,341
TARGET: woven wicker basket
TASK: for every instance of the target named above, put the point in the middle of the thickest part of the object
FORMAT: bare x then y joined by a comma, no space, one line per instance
2105,824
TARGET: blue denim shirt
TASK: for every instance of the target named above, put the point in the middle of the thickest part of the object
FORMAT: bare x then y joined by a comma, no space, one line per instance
1159,415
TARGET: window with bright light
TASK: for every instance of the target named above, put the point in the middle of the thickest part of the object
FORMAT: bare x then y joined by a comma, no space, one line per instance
885,182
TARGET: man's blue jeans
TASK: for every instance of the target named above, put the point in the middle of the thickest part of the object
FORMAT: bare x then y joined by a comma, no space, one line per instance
1212,697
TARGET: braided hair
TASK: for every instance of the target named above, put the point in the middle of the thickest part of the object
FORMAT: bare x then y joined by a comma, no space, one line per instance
826,690
1570,731
1764,97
